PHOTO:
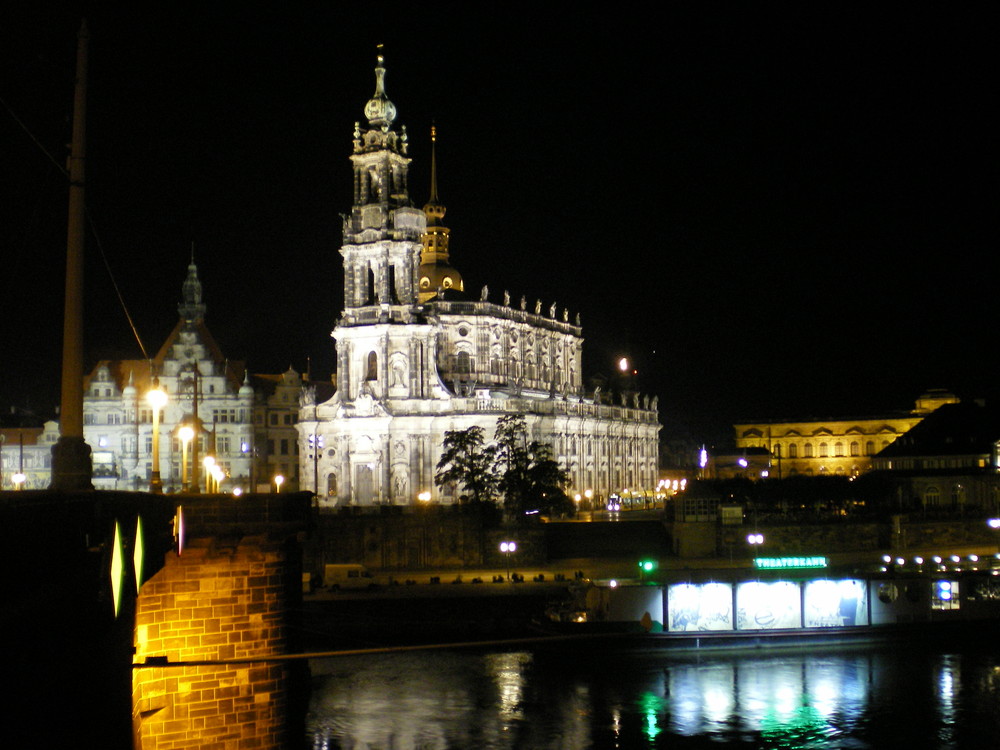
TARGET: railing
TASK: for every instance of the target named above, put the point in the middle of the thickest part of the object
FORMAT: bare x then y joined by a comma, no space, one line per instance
374,313
531,406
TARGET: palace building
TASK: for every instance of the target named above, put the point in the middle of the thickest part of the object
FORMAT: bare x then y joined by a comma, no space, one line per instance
418,356
840,446
204,391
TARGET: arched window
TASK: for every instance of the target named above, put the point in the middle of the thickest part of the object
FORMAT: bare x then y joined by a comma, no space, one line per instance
372,373
870,448
838,449
855,448
463,363
824,451
331,484
793,450
808,453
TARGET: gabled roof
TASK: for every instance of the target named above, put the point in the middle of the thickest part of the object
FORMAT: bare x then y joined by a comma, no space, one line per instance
951,430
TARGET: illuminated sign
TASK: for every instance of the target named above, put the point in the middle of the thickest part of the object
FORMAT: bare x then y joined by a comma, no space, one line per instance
776,563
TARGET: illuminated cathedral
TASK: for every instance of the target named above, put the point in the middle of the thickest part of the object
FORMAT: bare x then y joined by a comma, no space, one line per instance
417,356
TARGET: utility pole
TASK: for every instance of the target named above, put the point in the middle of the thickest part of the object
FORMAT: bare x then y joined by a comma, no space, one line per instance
72,467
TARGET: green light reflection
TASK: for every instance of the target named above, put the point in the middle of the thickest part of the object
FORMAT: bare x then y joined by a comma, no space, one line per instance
651,706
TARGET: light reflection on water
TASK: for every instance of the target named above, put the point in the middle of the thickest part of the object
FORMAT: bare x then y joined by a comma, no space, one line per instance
593,698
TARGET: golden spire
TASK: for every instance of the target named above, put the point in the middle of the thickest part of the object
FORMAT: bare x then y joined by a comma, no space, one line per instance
435,271
434,164
433,209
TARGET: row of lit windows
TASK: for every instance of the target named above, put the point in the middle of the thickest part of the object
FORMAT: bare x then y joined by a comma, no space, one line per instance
222,416
822,450
103,392
15,461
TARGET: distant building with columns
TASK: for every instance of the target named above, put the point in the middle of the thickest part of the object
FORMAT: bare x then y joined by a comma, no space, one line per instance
418,356
835,446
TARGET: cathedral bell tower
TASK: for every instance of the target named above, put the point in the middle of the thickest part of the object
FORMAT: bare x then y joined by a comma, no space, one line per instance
382,234
436,272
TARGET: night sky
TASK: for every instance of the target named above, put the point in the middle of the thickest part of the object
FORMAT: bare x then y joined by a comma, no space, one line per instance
773,209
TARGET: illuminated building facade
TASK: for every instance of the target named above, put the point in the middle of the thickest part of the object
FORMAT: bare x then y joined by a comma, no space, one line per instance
276,437
204,390
26,456
832,447
417,356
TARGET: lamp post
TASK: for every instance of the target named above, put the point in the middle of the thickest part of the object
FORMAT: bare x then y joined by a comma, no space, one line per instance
209,463
218,475
507,548
185,433
278,481
157,399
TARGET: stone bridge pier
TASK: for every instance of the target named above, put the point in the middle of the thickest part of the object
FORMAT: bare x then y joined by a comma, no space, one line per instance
212,628
208,627
113,637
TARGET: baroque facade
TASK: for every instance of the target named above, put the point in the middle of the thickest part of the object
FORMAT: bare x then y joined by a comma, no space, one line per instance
832,447
417,356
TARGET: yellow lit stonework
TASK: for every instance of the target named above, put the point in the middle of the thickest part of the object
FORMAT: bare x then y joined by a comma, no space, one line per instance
832,447
206,625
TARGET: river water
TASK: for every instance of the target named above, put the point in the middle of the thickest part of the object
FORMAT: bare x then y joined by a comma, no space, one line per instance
592,696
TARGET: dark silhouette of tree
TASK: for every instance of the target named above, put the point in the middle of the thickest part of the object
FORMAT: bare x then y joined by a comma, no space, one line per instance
520,471
467,463
529,479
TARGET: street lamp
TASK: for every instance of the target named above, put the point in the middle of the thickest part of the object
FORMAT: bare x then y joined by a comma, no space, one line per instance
424,497
755,539
19,479
217,476
507,548
278,481
209,463
157,399
186,434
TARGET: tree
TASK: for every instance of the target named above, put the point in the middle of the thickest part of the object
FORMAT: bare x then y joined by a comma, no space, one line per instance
468,464
522,472
529,479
